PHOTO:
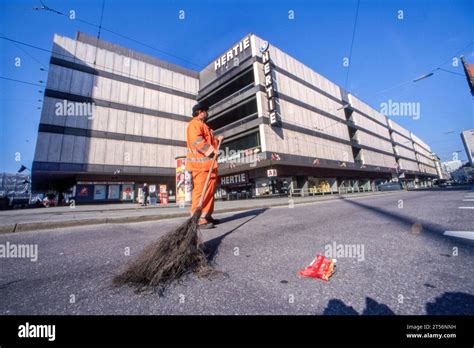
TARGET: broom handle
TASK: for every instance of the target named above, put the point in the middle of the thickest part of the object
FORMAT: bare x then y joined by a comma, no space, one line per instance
206,184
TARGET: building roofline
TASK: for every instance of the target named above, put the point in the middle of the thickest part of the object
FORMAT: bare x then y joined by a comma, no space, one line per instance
109,46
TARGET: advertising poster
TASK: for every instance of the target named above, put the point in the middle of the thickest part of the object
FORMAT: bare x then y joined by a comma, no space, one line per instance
180,180
183,182
127,192
114,192
188,185
84,192
99,192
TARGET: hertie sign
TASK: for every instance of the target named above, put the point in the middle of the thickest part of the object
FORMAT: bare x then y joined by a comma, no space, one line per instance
233,53
235,179
270,91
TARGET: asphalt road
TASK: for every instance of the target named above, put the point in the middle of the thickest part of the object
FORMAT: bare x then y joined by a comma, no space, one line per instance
406,266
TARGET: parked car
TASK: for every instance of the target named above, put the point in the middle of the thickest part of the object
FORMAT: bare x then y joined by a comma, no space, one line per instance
440,182
390,186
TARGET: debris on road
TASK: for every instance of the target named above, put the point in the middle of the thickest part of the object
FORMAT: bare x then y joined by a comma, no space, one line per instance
321,267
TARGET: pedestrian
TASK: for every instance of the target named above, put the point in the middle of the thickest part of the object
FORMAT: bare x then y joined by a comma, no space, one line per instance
145,194
202,146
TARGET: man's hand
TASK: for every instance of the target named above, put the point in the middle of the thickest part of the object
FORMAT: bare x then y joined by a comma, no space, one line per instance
219,139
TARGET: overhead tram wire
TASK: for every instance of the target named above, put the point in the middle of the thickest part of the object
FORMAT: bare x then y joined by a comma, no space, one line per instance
350,62
47,8
451,72
42,66
439,68
97,65
99,32
352,44
20,81
101,18
430,71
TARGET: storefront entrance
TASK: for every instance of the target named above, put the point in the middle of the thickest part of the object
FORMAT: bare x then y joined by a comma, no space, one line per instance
274,186
239,192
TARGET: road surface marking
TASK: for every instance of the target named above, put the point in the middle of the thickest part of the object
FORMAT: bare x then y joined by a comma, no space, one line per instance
460,234
466,207
468,200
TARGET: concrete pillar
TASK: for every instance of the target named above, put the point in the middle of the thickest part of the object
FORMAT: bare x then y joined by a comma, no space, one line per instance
302,183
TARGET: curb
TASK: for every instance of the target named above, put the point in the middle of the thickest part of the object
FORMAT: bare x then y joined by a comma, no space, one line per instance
7,228
33,226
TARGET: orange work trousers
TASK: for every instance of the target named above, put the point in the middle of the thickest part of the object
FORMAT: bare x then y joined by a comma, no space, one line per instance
199,179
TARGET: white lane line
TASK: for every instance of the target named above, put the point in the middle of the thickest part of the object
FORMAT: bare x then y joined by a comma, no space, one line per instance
468,200
460,234
466,207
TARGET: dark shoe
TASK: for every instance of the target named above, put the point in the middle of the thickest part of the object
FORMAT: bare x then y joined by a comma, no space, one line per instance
214,221
206,226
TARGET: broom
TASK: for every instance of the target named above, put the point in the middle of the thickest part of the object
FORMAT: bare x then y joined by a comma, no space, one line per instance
176,253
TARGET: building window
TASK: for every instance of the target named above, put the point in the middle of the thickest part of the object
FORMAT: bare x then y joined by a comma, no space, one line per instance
248,141
246,109
234,85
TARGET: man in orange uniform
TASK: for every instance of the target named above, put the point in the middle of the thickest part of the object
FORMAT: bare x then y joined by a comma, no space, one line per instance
202,146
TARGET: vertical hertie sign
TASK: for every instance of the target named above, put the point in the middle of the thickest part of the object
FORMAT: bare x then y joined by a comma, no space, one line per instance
269,88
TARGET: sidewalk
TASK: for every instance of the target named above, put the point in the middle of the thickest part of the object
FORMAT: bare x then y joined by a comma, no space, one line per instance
57,217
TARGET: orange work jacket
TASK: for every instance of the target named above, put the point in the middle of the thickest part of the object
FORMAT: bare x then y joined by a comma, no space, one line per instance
201,145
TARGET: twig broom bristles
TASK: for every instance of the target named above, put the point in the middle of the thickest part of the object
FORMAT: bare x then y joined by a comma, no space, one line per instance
176,253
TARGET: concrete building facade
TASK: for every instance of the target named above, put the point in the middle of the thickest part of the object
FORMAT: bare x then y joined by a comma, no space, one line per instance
295,129
134,128
467,137
286,127
439,167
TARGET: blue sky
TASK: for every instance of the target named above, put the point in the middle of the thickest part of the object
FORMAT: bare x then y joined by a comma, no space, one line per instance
387,52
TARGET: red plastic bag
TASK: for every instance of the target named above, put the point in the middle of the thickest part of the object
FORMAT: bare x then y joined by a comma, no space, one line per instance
321,268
